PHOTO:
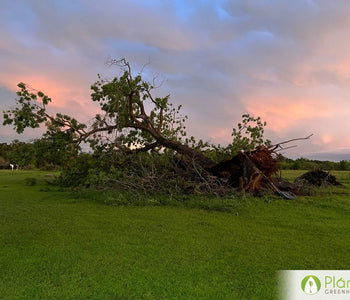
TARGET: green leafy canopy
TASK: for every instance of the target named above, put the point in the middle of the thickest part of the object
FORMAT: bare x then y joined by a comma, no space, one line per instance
130,117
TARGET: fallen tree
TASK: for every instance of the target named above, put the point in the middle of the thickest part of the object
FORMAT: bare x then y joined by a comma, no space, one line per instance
125,125
122,102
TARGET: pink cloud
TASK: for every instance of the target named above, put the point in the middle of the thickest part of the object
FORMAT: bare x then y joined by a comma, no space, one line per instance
221,135
72,99
284,113
326,139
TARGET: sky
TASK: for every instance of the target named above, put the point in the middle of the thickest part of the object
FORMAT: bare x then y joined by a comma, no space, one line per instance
285,61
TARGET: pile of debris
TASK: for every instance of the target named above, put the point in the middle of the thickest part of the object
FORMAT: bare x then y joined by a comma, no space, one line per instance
255,172
317,178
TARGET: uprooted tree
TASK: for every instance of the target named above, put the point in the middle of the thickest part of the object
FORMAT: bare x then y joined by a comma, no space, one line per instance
132,120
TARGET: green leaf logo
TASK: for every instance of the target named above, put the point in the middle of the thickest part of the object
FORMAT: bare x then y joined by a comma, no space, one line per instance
311,285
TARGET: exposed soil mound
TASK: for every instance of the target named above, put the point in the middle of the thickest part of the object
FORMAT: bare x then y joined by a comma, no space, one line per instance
247,169
253,171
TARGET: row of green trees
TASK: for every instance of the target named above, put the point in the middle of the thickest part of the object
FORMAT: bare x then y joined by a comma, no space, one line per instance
309,164
46,153
40,154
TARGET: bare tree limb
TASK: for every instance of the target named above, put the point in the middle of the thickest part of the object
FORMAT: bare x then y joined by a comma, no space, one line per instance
274,147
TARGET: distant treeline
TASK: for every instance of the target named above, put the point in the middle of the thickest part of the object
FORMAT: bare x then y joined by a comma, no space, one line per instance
38,154
308,164
48,155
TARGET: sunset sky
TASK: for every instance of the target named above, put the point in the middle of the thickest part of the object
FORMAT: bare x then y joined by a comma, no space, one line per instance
285,61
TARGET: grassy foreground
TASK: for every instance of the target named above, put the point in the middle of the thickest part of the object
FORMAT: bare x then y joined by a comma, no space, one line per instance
56,246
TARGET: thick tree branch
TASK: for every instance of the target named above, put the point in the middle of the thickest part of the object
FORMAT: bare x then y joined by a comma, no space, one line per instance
161,120
145,148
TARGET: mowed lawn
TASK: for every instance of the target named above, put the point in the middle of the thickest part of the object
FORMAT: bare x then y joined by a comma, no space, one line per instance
54,245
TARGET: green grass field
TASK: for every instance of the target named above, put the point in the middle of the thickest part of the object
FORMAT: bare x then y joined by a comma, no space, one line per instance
55,245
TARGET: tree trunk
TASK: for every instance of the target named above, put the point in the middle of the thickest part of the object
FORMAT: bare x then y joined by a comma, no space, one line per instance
197,156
